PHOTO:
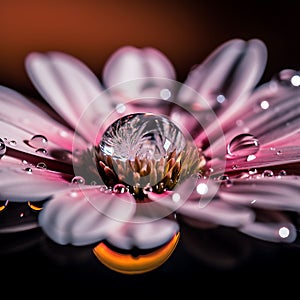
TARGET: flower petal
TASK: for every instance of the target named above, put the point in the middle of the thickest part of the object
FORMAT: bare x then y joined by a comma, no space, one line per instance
279,229
232,70
266,158
271,114
18,145
144,68
17,110
144,233
264,193
207,209
68,86
84,216
22,185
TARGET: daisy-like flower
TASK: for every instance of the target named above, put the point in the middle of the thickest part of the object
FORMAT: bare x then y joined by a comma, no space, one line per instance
121,164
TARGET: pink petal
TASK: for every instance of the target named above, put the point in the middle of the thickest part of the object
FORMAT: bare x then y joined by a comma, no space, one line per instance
129,63
246,64
265,193
279,229
20,185
68,86
201,205
84,216
265,158
271,114
143,69
18,145
232,70
17,110
144,233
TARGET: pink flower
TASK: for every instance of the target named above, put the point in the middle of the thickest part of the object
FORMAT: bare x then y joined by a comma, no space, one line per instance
125,162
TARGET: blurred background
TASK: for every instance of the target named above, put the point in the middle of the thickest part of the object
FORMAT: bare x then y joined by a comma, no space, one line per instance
186,32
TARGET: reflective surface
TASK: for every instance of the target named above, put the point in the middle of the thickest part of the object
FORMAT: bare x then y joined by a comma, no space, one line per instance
201,258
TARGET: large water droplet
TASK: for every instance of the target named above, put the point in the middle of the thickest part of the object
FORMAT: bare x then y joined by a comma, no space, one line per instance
145,150
2,147
243,145
38,141
144,136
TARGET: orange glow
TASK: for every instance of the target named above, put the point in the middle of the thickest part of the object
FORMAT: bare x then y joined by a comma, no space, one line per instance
127,264
3,205
35,206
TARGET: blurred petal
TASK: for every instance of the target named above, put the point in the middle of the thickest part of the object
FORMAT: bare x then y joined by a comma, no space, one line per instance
22,185
19,111
265,193
277,229
144,233
232,70
84,216
208,210
236,68
68,86
144,69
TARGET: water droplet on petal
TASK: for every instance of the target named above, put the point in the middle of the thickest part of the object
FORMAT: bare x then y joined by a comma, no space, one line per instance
267,173
38,141
41,151
243,145
102,188
41,165
78,180
28,170
12,143
119,189
2,147
252,171
281,173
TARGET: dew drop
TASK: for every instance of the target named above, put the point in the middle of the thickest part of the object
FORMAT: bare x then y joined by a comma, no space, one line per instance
144,136
223,178
281,173
252,171
41,151
119,188
267,173
2,147
41,165
78,180
28,170
243,145
12,143
102,188
147,189
38,141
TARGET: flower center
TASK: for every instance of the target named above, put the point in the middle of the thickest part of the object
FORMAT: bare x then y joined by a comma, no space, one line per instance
143,152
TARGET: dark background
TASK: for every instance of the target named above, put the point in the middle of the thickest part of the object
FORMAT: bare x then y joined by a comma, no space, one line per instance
186,31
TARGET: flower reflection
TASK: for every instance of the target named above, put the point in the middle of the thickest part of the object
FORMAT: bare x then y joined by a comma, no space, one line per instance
121,166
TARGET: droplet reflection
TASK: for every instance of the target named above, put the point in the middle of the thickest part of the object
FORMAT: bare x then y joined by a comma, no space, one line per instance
127,263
